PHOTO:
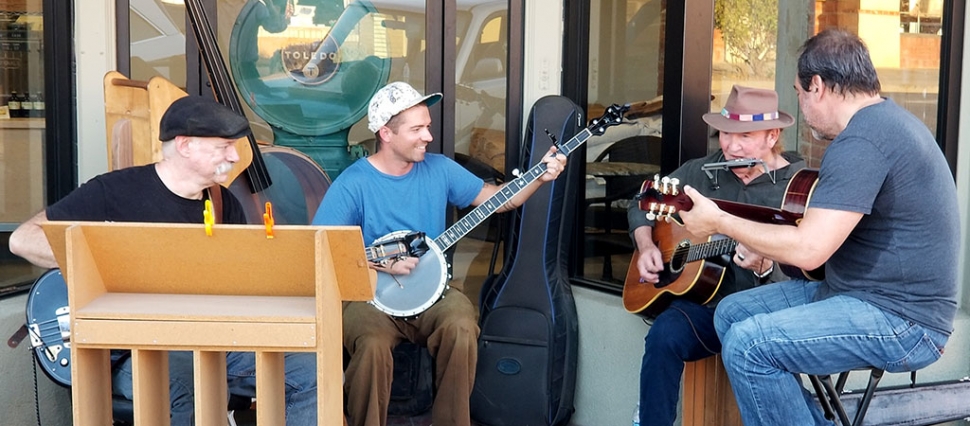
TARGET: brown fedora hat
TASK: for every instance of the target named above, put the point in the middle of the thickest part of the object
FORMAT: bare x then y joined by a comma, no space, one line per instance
749,109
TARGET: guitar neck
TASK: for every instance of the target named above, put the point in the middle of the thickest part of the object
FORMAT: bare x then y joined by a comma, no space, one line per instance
481,212
711,249
758,213
223,87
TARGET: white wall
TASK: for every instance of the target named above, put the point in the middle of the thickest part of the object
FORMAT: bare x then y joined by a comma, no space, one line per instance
94,46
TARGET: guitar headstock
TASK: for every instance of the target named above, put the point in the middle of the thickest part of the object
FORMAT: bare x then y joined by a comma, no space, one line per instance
662,197
611,117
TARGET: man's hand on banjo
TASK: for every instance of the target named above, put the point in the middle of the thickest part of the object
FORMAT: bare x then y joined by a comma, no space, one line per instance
398,265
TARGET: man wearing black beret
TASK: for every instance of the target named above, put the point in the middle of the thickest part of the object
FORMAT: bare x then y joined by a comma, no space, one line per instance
198,150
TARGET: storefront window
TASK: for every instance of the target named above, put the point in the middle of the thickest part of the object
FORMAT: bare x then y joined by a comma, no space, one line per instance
157,40
903,37
481,79
625,67
22,110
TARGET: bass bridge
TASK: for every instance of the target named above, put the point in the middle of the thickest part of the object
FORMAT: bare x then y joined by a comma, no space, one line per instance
40,335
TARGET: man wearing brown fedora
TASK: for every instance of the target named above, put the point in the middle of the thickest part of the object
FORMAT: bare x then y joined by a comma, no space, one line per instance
749,168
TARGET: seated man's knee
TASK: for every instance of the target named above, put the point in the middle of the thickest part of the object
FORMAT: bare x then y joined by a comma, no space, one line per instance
729,311
463,328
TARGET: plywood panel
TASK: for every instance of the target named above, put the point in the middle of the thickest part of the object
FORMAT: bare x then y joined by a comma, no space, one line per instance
708,399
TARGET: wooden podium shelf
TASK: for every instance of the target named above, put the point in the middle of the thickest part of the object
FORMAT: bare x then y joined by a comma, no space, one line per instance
152,288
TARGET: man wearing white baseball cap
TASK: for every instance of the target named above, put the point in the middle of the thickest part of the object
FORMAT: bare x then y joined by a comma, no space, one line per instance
404,187
749,133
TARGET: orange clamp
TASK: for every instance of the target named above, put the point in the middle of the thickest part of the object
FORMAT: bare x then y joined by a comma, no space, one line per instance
268,220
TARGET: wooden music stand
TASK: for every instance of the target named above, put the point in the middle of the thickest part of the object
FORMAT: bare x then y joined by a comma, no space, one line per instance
153,288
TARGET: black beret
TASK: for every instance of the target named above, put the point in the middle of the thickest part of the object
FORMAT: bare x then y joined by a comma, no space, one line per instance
201,116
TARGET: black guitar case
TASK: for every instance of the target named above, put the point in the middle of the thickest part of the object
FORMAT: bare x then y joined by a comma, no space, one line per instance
529,330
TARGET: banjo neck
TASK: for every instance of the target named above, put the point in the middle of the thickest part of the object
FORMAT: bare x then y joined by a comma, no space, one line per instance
481,212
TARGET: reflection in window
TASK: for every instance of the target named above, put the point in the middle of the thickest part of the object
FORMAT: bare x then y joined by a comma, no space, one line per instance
22,130
903,37
157,40
481,70
625,66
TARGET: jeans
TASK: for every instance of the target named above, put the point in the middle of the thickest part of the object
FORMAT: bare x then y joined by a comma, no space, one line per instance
300,381
682,332
770,332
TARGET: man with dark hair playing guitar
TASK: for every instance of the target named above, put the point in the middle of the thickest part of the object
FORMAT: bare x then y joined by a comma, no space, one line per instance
749,168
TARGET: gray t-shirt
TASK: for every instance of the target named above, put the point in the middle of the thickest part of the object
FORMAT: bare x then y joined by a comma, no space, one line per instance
902,255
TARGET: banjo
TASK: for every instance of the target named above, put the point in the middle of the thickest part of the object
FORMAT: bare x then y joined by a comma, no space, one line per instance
409,295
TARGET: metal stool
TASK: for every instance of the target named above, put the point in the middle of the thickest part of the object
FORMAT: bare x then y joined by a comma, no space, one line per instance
829,395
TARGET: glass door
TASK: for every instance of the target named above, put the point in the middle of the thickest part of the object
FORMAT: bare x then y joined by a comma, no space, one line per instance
22,129
626,63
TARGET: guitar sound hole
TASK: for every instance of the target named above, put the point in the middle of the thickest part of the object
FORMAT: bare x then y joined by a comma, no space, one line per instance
675,266
679,258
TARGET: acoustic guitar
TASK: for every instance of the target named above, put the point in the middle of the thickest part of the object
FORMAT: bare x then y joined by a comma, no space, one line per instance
694,267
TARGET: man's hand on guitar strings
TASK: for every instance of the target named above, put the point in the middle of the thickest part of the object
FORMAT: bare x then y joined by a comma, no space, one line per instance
555,164
702,218
649,264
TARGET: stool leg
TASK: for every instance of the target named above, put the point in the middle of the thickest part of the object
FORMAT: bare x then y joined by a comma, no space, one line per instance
833,395
823,401
874,378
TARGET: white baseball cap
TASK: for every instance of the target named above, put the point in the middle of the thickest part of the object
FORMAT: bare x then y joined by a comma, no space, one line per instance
391,100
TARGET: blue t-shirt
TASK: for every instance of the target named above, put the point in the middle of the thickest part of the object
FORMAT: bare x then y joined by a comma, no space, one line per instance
902,255
380,203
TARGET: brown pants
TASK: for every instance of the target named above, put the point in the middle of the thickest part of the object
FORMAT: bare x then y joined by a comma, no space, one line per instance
450,331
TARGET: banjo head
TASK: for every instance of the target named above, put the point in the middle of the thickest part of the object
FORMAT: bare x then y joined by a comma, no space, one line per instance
409,295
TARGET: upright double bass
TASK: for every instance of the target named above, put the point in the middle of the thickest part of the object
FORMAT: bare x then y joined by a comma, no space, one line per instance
287,178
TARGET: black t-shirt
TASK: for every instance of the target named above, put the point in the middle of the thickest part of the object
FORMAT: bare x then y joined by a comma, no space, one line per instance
137,194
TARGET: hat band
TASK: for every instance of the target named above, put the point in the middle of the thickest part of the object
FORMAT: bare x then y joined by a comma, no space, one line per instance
750,117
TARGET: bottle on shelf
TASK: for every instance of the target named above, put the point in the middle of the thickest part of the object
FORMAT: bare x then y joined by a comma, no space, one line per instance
13,105
39,106
26,106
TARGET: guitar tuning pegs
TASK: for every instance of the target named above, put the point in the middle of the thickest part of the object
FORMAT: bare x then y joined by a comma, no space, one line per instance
652,212
673,186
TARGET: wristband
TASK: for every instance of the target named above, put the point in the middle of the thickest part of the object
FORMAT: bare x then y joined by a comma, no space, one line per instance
765,274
